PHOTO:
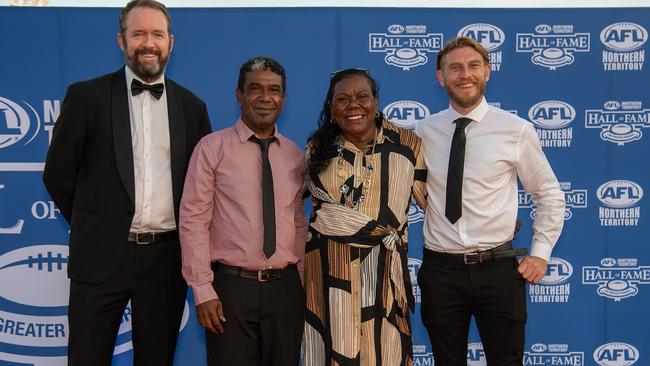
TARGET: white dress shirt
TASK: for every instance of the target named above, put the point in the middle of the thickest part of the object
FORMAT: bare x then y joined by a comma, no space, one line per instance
500,146
154,206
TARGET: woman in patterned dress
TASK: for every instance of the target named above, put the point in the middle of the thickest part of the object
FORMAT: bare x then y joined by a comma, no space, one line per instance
363,172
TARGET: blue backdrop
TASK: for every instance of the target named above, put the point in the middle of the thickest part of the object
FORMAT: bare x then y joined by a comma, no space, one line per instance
578,74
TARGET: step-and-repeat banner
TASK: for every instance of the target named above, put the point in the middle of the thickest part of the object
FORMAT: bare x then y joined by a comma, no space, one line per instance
578,74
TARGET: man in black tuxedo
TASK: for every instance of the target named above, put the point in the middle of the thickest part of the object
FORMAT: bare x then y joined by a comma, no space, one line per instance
115,168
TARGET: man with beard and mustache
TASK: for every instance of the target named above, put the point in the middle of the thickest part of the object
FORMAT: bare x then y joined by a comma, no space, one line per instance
115,168
474,154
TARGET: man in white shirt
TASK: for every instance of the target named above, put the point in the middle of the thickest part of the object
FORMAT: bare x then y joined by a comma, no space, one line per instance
115,169
474,154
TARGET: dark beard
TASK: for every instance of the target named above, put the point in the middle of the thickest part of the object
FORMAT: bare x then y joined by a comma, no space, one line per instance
148,74
466,103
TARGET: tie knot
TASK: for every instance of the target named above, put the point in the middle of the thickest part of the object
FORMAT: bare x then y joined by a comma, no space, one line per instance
264,144
156,90
462,122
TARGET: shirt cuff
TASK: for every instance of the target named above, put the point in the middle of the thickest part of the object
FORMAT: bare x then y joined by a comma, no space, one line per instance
203,293
541,250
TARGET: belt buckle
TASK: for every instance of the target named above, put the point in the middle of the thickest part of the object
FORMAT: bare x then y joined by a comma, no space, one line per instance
472,258
144,236
266,275
262,276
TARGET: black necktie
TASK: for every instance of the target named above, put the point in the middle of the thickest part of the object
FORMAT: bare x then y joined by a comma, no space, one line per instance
155,90
268,199
454,203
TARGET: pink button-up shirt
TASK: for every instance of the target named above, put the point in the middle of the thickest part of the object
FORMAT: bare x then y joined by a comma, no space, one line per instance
221,209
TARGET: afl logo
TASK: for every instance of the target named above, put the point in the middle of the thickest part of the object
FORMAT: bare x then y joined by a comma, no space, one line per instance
551,114
489,36
15,124
396,29
623,37
620,193
558,271
406,113
543,29
612,105
476,354
616,354
538,347
608,262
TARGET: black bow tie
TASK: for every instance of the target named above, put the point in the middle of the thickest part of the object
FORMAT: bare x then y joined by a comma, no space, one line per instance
156,90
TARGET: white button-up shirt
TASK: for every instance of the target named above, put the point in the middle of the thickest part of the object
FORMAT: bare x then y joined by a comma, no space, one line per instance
500,147
154,206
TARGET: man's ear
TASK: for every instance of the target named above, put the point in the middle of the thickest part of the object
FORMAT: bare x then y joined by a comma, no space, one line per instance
238,95
120,41
440,77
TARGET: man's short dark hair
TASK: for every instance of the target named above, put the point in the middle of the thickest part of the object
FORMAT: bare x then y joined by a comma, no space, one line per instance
460,42
261,63
153,4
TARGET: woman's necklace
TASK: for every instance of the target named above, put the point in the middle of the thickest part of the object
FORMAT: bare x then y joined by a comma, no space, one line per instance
366,182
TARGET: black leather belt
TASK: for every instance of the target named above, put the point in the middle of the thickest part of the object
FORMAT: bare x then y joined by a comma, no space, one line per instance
261,276
502,251
152,237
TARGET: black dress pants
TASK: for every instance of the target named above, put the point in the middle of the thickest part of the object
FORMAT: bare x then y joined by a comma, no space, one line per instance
264,322
150,276
494,293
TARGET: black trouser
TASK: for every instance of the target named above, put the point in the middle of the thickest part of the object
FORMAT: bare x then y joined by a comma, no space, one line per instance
264,322
150,276
493,292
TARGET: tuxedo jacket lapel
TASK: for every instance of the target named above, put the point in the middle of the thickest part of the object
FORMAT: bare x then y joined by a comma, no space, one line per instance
121,120
177,139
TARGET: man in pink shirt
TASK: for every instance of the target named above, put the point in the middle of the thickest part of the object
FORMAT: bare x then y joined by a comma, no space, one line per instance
242,229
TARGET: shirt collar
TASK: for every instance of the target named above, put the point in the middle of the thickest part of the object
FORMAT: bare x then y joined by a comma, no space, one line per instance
130,75
476,114
245,133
